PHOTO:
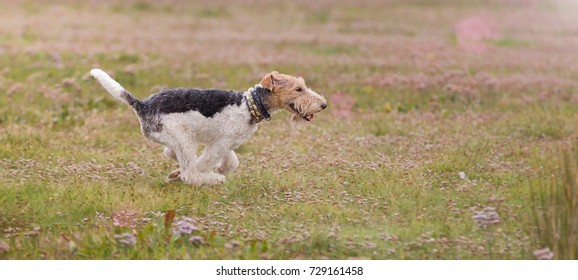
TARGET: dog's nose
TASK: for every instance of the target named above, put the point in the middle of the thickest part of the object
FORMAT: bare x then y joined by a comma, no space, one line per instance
323,106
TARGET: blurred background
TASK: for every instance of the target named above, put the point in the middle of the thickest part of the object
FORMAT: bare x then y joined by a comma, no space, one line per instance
374,33
414,44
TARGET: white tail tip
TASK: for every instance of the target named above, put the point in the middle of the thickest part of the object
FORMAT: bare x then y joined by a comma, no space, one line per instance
112,86
97,72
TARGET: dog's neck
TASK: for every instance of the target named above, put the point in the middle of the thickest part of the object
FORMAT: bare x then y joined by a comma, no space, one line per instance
256,98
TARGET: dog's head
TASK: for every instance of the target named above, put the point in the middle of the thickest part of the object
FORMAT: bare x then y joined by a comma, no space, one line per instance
290,93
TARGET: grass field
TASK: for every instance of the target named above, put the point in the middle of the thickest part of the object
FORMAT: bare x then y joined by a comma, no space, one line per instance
428,148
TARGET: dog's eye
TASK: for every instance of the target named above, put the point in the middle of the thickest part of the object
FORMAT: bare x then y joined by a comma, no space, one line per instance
299,89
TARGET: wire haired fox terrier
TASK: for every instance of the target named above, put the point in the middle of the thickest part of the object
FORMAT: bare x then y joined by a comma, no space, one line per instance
222,120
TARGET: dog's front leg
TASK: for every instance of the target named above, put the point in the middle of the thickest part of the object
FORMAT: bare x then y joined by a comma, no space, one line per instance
201,173
229,163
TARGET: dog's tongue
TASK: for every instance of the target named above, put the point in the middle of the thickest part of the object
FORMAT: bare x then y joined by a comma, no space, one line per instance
311,117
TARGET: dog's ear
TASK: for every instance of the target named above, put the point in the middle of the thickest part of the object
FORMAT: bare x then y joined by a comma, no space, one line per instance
271,80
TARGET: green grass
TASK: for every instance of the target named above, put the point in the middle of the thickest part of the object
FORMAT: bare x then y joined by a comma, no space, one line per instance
555,208
434,136
511,43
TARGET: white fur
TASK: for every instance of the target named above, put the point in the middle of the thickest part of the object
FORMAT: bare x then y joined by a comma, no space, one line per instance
221,135
112,86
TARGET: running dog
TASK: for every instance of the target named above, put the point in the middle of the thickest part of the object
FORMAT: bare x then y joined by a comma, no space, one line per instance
182,118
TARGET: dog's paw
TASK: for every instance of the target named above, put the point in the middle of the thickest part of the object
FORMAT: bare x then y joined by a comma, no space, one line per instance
204,179
174,176
212,179
219,179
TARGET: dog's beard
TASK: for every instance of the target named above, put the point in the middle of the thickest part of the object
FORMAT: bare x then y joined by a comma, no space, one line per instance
297,122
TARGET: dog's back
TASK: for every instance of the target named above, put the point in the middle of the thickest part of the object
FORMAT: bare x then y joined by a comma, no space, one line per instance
208,102
191,108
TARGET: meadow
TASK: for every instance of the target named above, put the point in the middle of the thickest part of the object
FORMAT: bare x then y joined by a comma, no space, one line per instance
442,118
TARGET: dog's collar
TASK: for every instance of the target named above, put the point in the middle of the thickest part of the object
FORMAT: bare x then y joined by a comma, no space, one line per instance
255,104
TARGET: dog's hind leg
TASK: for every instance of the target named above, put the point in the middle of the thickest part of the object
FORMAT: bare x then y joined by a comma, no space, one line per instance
184,152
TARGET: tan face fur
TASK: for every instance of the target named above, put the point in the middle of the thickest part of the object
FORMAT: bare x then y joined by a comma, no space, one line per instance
291,93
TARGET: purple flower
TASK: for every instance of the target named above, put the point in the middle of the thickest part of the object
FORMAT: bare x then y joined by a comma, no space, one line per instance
544,254
233,244
101,217
488,216
197,240
184,226
125,239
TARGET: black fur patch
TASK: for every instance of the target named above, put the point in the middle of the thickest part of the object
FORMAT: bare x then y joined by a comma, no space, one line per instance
208,102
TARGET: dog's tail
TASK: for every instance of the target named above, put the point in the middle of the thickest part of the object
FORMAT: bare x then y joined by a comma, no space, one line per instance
115,89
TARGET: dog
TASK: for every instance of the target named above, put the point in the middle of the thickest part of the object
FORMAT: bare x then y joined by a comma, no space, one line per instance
221,120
